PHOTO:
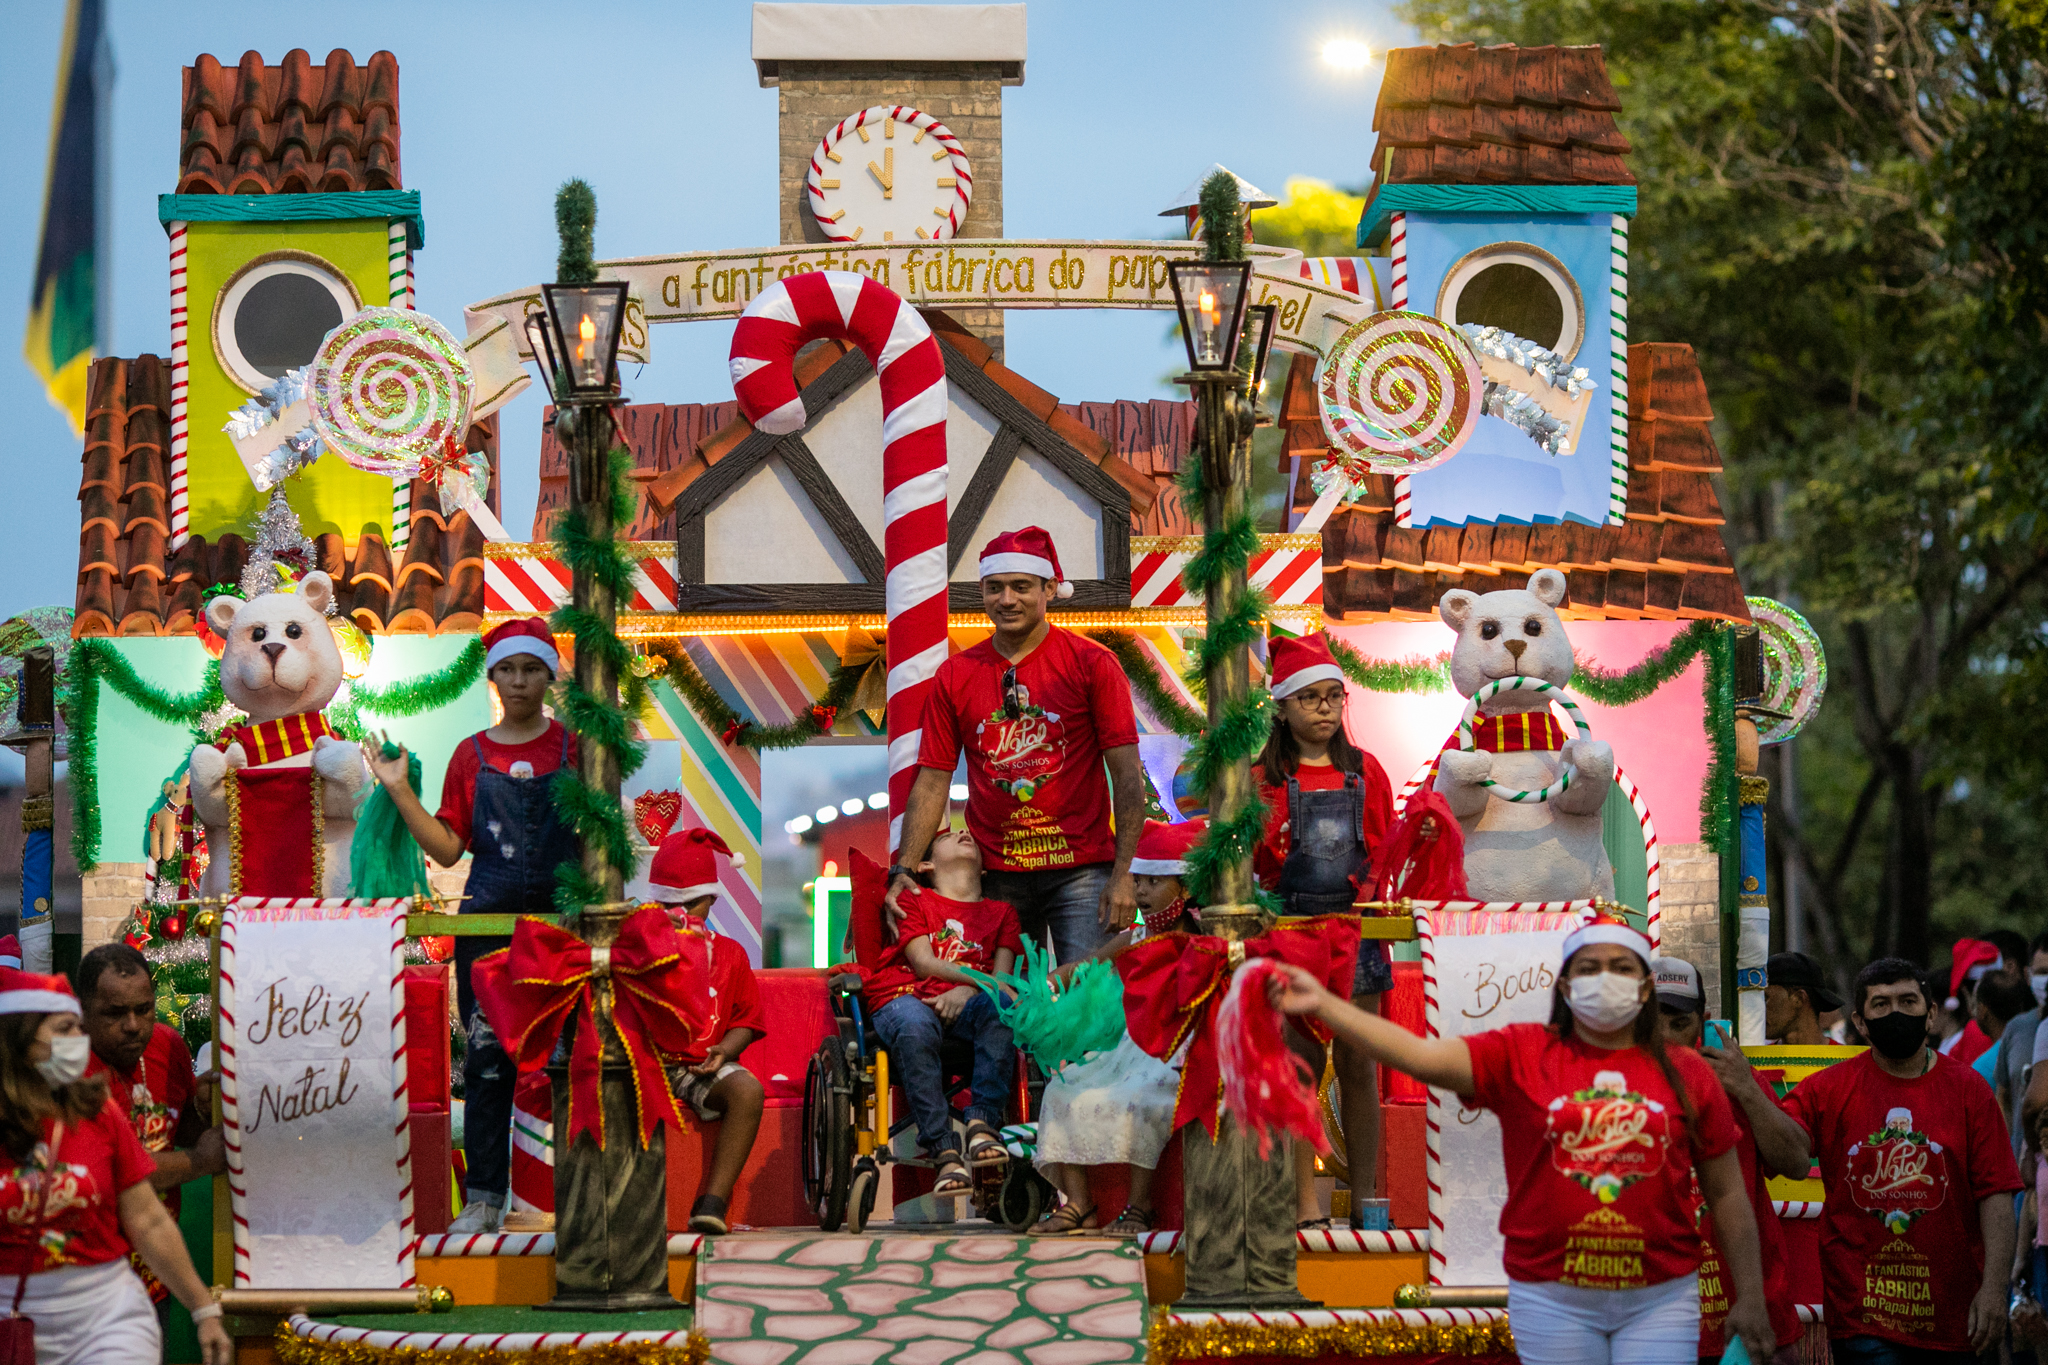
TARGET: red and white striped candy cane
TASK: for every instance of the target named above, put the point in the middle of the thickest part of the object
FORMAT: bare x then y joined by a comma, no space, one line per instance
843,306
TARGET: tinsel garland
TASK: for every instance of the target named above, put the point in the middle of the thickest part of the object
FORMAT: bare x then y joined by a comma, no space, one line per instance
815,719
1718,794
1170,1341
1627,688
410,697
297,1350
1181,718
1392,675
610,563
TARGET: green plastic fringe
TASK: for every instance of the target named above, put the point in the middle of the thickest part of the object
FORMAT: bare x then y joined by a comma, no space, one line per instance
703,698
383,859
1183,719
1058,1024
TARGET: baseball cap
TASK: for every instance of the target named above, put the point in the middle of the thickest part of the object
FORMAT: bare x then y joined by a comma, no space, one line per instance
1678,985
1797,971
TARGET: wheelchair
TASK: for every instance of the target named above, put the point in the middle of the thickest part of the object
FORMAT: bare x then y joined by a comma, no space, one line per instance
849,1134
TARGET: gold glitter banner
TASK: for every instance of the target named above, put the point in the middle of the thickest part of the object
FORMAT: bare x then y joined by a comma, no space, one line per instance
297,1350
1171,1341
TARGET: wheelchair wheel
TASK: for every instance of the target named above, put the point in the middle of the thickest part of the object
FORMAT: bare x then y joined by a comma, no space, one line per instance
860,1199
1021,1199
828,1134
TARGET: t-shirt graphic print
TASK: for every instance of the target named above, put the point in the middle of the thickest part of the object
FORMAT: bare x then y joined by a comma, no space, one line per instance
1897,1174
1607,1136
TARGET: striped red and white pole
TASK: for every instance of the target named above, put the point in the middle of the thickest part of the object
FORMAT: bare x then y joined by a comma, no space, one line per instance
843,306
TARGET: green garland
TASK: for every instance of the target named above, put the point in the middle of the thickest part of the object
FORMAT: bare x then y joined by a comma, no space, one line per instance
1395,675
1181,718
410,697
734,728
611,563
1627,688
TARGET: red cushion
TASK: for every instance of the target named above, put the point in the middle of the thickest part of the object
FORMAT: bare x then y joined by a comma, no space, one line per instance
799,1014
426,1036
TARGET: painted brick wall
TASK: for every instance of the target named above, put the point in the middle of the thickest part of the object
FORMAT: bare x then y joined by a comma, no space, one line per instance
1690,914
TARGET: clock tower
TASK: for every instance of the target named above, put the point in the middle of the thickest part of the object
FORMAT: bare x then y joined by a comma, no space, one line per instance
937,171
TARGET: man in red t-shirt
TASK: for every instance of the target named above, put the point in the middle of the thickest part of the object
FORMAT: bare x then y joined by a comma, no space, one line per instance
1916,1237
1039,713
149,1076
496,807
1767,1143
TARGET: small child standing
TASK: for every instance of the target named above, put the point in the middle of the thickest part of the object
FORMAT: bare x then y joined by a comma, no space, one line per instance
709,1077
1116,1107
946,927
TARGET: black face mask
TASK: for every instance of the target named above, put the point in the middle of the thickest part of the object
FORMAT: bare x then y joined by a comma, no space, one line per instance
1897,1036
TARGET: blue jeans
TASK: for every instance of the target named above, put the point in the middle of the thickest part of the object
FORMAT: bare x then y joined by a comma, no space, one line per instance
488,1078
1880,1351
911,1030
1067,901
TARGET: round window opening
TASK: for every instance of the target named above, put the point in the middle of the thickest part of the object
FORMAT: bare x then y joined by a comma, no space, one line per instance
274,312
1519,288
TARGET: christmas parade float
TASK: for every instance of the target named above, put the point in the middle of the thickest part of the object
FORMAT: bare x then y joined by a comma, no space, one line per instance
1459,427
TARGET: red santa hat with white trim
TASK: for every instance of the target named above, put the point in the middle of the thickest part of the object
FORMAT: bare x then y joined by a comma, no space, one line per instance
1301,663
1609,929
686,866
10,951
1027,551
33,993
530,636
1163,848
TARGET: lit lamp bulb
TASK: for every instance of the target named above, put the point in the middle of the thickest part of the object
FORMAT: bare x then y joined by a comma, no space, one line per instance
1206,306
586,343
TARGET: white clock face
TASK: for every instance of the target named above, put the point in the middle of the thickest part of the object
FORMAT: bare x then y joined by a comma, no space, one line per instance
889,174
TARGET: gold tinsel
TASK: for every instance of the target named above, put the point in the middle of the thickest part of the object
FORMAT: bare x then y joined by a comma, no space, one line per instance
297,1350
1174,1341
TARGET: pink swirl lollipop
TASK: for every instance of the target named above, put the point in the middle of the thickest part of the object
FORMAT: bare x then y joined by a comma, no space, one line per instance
390,386
1399,392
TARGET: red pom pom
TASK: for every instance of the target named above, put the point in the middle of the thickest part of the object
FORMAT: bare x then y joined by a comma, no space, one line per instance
1265,1086
1423,856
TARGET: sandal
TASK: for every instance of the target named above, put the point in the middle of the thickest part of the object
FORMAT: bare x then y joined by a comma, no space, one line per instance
984,1145
1064,1221
1132,1222
953,1177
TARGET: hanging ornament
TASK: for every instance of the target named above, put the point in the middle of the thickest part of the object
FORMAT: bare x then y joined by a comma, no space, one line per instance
645,665
656,813
173,925
204,920
824,716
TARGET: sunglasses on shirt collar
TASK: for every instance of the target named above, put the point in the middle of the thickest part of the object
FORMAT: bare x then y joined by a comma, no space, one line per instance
1012,708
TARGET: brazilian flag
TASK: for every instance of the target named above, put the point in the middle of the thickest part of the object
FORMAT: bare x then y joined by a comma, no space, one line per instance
62,334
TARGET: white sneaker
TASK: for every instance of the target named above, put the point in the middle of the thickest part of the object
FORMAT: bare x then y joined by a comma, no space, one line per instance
476,1217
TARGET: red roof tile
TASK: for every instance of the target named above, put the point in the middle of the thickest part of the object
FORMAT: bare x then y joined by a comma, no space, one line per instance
293,128
1498,115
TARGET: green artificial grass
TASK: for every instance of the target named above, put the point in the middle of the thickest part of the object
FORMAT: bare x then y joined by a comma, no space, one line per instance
495,1317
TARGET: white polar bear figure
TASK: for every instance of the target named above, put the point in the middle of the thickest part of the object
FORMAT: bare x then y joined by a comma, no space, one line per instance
1535,850
280,660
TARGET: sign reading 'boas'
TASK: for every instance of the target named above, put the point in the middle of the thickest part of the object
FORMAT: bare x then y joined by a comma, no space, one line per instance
313,1093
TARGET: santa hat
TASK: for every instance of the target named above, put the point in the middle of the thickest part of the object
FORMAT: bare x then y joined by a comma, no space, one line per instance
1163,848
686,866
10,951
1608,929
1970,959
31,993
1027,551
1301,663
521,637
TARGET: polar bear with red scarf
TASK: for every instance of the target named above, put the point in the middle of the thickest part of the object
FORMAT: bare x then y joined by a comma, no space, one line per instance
260,793
1523,850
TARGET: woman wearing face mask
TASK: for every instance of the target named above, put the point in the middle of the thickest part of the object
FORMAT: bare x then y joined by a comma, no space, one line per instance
78,1197
1602,1132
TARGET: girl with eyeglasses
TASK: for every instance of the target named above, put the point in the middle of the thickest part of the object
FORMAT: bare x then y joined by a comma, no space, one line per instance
1329,805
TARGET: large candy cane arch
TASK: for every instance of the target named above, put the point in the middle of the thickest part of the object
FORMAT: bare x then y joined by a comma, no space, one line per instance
843,306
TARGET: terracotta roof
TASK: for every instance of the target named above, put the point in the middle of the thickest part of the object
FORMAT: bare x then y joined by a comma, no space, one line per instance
293,128
130,582
1667,562
1138,444
1505,115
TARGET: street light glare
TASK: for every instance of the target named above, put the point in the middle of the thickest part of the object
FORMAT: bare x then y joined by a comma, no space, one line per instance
1347,54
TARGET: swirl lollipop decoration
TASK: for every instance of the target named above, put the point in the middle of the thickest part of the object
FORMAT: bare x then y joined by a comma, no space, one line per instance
1795,669
1399,392
390,387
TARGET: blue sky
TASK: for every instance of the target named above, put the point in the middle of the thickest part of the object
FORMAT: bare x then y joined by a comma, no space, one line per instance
1124,103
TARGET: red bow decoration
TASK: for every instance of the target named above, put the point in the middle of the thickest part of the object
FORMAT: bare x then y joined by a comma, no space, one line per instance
659,1003
735,730
1423,855
1174,983
824,715
656,813
451,460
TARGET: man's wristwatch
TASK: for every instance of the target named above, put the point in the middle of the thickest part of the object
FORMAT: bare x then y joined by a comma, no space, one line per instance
897,870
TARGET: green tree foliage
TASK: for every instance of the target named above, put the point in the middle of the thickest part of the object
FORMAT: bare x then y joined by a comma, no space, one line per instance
1316,218
1842,209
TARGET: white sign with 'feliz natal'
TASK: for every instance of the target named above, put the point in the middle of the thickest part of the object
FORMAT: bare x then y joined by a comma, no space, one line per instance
312,1047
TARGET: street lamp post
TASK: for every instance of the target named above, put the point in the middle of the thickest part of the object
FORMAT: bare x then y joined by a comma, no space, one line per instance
611,1224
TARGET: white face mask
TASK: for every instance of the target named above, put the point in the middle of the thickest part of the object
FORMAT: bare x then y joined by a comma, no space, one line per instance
70,1053
1606,1001
2039,981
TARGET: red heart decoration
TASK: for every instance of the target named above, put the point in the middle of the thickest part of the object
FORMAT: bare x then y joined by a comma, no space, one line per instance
656,814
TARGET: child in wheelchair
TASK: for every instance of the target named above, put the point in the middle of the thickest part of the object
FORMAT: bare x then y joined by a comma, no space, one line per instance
709,1078
921,998
1116,1107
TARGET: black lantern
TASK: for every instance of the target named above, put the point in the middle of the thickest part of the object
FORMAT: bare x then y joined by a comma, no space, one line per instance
540,341
1260,322
1210,297
584,322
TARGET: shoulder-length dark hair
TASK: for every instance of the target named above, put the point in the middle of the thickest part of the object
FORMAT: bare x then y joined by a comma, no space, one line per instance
27,1100
1282,756
1647,1035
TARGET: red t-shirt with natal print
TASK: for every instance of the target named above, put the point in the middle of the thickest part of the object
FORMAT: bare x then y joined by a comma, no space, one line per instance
966,933
1037,797
153,1097
81,1222
1905,1163
1717,1287
1599,1156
